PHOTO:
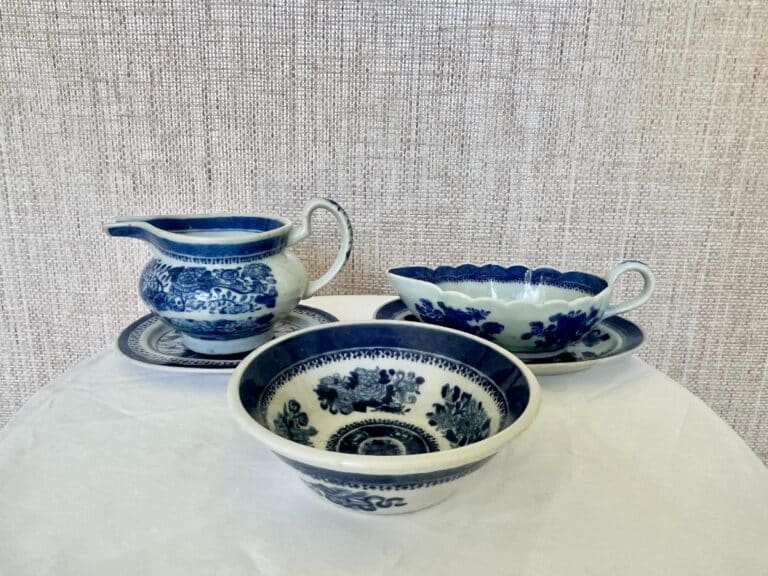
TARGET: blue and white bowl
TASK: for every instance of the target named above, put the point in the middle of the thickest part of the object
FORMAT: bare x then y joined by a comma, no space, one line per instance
532,310
384,417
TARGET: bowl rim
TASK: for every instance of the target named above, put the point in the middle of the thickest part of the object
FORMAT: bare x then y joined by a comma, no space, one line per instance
506,303
393,465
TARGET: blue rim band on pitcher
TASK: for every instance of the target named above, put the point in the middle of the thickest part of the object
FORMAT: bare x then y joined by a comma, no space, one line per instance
252,227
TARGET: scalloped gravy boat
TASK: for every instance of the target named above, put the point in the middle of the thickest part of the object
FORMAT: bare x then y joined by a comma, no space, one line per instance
529,310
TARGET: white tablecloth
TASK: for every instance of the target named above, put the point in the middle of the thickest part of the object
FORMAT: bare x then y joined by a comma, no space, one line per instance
121,469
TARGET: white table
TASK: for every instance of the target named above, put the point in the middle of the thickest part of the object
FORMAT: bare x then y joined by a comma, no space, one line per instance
120,469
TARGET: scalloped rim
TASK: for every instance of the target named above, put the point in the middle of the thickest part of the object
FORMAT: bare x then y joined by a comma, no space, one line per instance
504,303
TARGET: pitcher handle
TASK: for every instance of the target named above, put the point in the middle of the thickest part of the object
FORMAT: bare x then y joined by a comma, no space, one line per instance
648,285
305,229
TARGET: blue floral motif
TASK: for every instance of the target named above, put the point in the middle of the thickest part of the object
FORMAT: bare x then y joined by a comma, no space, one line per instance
595,337
461,419
381,390
382,438
469,320
385,482
221,329
356,499
562,329
238,290
292,423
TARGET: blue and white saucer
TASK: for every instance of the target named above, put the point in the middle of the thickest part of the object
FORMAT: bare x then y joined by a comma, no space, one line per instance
150,341
611,339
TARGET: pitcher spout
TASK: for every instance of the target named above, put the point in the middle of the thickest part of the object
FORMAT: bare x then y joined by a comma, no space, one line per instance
131,228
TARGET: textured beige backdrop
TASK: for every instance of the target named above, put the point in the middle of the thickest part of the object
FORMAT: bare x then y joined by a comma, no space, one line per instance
573,133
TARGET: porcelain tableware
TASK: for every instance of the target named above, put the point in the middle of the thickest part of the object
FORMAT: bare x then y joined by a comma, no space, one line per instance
383,417
531,310
151,342
611,339
223,281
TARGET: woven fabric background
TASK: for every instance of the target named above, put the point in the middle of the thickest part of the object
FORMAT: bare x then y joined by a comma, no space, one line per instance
572,133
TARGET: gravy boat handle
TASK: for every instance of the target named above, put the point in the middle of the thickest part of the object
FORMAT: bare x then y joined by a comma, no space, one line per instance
648,285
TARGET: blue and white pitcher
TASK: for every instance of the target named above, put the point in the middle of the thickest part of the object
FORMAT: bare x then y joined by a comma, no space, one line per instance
224,280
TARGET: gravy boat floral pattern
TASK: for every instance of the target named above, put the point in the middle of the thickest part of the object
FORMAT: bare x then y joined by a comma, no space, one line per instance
532,310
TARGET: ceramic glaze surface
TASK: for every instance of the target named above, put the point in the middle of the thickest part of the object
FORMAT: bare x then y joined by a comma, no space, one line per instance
609,340
532,310
383,437
356,499
374,399
248,288
224,281
515,290
153,341
561,329
358,399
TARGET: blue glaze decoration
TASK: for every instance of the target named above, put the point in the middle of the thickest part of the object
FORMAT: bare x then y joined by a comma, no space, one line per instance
468,320
182,224
384,482
152,341
341,210
365,358
292,423
460,418
380,390
395,310
382,438
581,281
500,398
473,360
562,329
221,329
594,337
248,288
356,500
623,334
210,266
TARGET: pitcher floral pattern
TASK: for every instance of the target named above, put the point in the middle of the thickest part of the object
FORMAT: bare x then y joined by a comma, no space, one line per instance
237,290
